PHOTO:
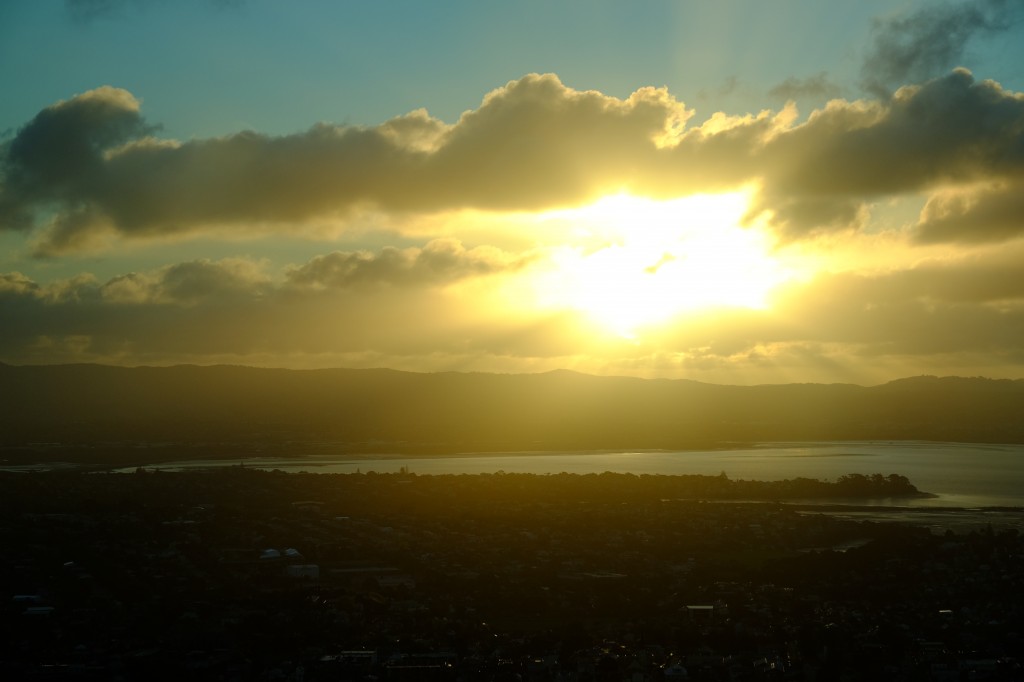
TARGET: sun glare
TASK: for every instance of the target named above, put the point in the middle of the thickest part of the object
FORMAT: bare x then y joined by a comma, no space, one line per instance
655,260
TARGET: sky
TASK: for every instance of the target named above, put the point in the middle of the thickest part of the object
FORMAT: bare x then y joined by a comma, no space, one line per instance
731,192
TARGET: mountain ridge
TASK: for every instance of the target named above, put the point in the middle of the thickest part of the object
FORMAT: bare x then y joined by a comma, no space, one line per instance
89,406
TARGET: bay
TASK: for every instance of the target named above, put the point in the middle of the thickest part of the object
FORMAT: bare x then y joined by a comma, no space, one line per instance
958,474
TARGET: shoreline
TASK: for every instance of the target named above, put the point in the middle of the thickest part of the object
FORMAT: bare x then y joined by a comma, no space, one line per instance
130,454
947,470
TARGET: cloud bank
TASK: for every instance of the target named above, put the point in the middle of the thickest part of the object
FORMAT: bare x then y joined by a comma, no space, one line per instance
440,261
399,308
91,174
89,169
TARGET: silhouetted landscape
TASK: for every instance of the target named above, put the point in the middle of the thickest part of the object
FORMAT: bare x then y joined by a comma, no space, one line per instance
236,574
102,414
623,293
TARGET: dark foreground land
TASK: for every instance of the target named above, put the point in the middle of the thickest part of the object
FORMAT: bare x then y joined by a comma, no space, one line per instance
239,574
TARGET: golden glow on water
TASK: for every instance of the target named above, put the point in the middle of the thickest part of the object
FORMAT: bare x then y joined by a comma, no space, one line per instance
643,261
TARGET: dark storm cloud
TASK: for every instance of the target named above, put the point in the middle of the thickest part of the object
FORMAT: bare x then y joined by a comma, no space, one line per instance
931,40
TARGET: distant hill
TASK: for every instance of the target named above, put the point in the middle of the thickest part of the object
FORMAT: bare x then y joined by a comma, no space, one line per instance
89,410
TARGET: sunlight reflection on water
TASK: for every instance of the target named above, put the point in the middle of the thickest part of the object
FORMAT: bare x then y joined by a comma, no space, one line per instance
960,474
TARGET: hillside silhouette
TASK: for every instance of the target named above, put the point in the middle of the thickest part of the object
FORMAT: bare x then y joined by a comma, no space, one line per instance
50,409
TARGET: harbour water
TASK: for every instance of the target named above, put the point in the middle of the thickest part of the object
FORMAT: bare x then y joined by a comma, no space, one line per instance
958,474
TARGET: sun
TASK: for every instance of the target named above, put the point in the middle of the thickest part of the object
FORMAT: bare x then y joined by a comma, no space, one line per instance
636,262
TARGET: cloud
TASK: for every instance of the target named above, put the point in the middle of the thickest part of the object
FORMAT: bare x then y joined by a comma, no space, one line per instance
971,305
817,86
393,308
182,284
976,215
17,284
393,301
536,144
87,172
531,144
989,279
190,283
54,157
966,312
948,131
439,262
921,45
728,87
